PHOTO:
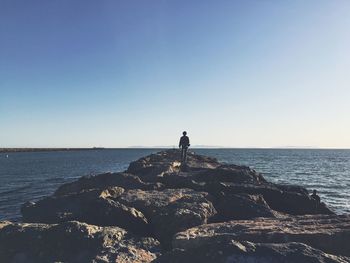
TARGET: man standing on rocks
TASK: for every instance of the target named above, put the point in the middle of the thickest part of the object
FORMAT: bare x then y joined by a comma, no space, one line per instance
184,144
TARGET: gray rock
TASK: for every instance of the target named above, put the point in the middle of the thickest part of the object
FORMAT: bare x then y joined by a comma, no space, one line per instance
152,168
242,206
73,242
285,201
103,181
230,173
328,233
171,210
227,251
93,207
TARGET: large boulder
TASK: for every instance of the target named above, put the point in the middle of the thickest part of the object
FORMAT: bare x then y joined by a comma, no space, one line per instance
103,181
242,206
73,242
223,173
171,210
152,167
294,201
328,233
92,206
231,251
230,173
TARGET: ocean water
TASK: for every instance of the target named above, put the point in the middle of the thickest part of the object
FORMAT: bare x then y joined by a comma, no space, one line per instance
29,176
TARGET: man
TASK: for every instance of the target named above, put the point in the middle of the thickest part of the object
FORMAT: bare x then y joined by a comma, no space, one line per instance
184,144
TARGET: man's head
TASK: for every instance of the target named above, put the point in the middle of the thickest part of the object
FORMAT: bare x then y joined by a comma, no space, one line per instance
184,133
315,192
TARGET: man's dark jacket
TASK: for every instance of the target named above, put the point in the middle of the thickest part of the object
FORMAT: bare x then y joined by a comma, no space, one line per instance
184,141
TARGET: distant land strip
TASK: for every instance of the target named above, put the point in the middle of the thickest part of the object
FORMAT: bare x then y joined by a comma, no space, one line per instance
9,150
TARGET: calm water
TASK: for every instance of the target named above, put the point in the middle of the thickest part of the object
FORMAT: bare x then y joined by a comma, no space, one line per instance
30,176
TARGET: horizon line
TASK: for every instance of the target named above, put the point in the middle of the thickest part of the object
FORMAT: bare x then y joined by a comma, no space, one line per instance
4,149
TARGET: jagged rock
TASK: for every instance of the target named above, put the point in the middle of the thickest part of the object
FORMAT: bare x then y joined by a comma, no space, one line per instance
292,188
230,173
290,202
151,168
73,242
223,173
103,181
242,206
208,175
328,233
231,251
93,207
171,210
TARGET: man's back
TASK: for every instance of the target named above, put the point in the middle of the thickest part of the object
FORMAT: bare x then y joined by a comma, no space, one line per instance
184,141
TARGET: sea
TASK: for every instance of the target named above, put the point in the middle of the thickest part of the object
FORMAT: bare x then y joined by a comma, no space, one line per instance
30,176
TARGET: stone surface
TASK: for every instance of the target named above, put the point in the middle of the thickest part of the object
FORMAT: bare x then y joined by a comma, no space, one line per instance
93,207
285,201
194,178
231,251
103,181
230,173
151,168
171,210
73,242
328,233
242,206
4,223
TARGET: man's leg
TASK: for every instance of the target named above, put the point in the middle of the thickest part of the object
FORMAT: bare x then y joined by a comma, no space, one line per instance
185,154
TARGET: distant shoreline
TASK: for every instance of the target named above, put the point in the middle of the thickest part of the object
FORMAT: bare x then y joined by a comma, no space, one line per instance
12,150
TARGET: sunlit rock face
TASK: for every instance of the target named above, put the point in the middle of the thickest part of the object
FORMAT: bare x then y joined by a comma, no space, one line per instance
329,233
73,242
160,209
232,251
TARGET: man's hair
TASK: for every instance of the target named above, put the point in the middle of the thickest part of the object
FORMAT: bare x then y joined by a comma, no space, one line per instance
184,133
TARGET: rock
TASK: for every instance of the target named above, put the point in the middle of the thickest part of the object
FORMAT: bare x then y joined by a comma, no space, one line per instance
290,202
292,188
151,168
208,175
328,233
103,181
242,206
230,173
4,223
223,173
93,207
170,210
229,250
73,242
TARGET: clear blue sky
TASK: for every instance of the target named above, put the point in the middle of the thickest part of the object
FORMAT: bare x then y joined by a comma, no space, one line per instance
124,73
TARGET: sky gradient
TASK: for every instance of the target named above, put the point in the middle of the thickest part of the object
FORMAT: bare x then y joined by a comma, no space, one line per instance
129,73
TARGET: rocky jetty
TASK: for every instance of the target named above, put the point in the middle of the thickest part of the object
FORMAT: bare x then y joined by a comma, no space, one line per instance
160,211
